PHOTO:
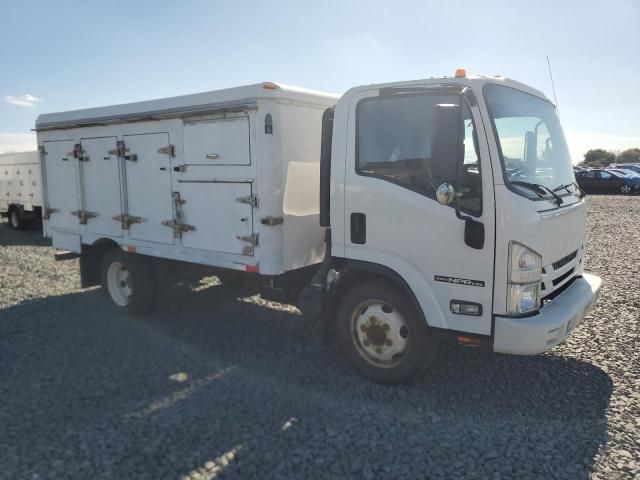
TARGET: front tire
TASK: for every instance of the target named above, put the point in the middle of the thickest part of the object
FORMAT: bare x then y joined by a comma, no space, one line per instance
129,281
383,335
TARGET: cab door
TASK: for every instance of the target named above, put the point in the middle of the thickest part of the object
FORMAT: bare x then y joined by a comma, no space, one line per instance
391,216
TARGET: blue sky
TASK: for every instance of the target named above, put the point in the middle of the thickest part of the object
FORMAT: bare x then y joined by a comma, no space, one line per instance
63,54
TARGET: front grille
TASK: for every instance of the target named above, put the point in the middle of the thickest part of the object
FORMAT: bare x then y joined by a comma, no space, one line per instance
558,280
563,261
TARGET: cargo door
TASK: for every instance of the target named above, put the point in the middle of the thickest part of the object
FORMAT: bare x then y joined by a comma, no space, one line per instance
61,184
223,141
4,185
14,184
100,181
33,188
148,186
220,214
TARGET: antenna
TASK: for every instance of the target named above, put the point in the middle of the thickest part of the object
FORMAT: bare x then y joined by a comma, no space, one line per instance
553,87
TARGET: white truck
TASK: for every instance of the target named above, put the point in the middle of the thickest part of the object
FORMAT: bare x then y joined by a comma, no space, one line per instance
20,189
398,214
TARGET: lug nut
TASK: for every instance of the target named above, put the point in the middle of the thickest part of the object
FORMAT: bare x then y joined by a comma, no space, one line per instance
385,327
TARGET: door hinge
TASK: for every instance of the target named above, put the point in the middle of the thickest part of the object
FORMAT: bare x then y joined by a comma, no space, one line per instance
41,150
83,215
121,152
48,212
127,220
250,199
271,221
177,201
78,153
178,228
252,239
168,150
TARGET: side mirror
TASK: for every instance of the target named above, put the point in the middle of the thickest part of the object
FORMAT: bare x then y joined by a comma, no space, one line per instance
445,193
447,142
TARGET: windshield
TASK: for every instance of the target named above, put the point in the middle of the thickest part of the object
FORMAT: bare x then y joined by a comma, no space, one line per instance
532,146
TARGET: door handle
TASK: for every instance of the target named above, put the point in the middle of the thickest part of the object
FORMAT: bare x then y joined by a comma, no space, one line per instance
212,156
358,228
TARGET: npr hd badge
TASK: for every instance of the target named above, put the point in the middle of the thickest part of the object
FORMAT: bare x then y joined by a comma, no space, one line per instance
459,281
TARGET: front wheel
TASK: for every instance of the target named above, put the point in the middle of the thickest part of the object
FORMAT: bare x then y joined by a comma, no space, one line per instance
625,189
129,281
383,335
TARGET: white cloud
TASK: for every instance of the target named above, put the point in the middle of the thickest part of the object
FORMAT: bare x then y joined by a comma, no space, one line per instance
17,142
580,142
25,100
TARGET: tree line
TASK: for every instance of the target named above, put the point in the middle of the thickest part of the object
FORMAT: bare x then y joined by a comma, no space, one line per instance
603,158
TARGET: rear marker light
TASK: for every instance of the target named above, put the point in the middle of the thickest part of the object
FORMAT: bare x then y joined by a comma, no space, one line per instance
465,340
131,249
252,268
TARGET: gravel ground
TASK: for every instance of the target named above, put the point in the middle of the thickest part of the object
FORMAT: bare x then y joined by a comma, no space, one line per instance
224,385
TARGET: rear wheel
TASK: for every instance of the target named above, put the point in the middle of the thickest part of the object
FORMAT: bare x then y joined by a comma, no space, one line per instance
129,281
16,219
625,189
383,335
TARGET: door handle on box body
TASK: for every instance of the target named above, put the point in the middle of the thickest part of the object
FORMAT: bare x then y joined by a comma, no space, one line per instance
212,156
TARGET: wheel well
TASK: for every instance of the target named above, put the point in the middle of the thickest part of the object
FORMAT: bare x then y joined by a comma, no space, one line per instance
353,272
91,261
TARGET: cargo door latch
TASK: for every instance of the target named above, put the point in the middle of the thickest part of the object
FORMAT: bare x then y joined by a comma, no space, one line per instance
178,227
83,215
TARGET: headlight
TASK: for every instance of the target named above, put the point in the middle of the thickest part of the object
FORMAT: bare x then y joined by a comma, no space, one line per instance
525,276
525,264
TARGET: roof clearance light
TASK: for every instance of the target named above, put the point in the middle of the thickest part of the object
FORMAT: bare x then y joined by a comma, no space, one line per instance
269,86
461,72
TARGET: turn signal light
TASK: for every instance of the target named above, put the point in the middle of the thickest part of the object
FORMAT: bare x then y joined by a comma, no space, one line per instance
461,72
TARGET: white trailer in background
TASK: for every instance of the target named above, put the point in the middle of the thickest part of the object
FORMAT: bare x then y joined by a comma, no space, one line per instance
397,213
20,188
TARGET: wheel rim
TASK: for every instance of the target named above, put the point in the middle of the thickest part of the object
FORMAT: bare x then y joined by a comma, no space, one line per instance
15,221
625,189
380,333
118,283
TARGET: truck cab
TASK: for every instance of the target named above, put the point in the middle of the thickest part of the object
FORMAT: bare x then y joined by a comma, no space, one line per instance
453,202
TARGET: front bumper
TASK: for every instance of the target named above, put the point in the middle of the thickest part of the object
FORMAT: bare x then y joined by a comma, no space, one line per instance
554,322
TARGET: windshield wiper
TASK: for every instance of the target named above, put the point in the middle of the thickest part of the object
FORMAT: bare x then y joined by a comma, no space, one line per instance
572,184
540,190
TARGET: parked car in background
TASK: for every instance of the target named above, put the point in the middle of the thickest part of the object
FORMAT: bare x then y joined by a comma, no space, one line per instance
607,181
626,173
634,167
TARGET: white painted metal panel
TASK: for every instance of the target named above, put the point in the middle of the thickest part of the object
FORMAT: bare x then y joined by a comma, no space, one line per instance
223,141
14,180
100,180
62,185
32,184
148,187
219,219
4,185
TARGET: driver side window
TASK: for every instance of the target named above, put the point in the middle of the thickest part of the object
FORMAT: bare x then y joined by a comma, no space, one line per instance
393,143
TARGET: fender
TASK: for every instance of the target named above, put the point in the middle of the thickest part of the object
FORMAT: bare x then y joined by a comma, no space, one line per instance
350,266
